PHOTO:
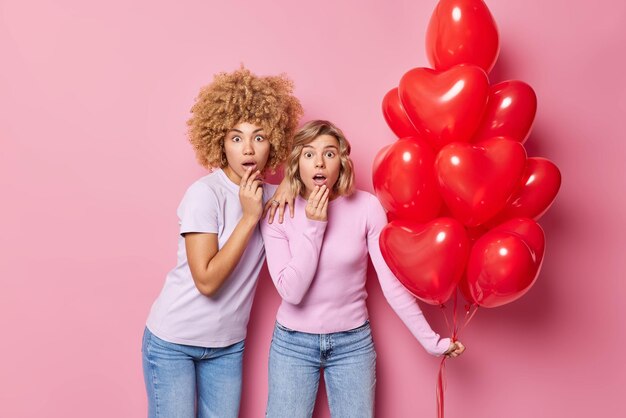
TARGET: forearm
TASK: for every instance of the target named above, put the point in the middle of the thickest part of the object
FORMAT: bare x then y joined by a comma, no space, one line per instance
405,306
218,268
294,279
293,267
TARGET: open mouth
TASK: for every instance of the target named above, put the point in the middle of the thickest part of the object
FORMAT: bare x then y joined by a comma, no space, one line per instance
319,179
249,164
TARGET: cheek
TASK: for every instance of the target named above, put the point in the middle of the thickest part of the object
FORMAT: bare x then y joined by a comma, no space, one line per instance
229,150
263,146
336,167
304,168
263,149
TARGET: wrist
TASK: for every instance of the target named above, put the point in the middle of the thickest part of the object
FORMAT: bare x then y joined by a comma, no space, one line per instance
249,220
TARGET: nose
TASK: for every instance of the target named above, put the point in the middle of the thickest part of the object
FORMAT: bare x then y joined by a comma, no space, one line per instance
319,162
248,149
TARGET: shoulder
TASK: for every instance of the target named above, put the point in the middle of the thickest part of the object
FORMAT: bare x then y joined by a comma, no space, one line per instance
268,191
205,189
216,183
362,198
363,207
362,195
368,205
275,228
210,181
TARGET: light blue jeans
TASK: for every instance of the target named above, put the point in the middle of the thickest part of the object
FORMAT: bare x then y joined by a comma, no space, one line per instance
180,378
349,363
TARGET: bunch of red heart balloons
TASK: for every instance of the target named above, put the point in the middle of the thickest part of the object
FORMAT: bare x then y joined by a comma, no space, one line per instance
461,194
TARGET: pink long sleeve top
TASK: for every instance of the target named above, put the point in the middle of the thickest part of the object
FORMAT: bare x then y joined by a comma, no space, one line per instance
320,268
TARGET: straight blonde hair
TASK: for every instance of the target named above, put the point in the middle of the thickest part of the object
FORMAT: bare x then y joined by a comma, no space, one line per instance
307,134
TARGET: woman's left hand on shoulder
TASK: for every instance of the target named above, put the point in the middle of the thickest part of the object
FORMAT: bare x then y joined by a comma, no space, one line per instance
282,197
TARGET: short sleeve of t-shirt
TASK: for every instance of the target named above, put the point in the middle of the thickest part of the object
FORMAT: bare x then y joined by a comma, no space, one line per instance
198,210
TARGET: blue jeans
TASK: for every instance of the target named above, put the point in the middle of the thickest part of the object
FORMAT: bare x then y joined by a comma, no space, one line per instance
296,358
180,377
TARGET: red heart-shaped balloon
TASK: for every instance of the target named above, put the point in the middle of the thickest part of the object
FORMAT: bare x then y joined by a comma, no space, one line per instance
395,116
476,180
528,230
462,32
405,182
378,158
463,287
473,234
510,112
445,106
428,259
535,193
505,262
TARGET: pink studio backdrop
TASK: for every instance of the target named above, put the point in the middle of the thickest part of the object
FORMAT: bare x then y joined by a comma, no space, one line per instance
93,102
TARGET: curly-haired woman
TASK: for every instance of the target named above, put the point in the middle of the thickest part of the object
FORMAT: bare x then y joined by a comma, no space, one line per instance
241,125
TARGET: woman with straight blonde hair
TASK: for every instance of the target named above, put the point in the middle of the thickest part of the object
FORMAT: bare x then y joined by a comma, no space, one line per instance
318,263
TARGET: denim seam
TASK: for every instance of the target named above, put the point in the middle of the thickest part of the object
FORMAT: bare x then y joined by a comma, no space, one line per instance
154,379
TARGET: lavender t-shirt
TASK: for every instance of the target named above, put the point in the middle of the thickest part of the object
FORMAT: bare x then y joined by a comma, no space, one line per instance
181,314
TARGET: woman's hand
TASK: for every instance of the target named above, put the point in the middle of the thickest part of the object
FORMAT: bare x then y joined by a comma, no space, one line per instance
282,197
317,205
251,195
456,349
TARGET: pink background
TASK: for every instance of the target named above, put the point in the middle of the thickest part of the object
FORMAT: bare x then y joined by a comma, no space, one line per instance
93,102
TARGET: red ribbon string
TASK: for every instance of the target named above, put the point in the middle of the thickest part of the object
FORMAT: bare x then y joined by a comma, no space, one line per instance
468,316
470,311
441,383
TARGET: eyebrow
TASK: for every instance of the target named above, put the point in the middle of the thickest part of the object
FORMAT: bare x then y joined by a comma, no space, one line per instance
327,146
237,130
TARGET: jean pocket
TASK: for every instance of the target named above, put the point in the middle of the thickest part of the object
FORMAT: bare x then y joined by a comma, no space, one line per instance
154,343
239,346
284,328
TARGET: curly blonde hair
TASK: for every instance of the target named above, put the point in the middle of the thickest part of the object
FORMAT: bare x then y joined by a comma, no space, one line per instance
307,134
238,97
